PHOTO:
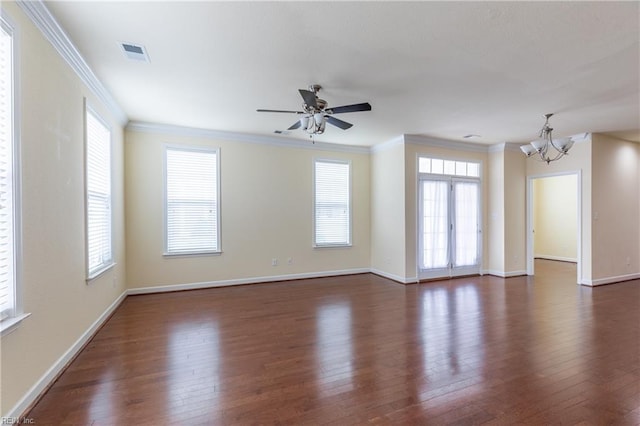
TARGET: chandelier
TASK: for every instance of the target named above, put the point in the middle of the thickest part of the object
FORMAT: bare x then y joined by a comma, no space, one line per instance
542,145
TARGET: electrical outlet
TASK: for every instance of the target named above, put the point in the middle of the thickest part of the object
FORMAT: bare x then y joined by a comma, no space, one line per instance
290,261
274,262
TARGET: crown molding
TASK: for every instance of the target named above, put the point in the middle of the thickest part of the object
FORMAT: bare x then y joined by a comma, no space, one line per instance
499,147
46,23
443,143
143,127
504,146
388,144
581,138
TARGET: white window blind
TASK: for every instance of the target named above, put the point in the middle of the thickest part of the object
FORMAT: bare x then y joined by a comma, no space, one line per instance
98,164
7,246
332,195
192,207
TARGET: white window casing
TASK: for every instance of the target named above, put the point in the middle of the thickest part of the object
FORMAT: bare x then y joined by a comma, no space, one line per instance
11,312
332,203
98,208
192,200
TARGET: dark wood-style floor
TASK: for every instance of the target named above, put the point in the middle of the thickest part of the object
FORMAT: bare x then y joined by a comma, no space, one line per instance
362,349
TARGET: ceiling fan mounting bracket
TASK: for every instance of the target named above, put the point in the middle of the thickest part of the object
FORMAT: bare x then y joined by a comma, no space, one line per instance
315,88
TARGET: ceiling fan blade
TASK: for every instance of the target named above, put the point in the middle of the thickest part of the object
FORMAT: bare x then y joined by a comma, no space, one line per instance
309,97
350,108
279,110
338,123
295,125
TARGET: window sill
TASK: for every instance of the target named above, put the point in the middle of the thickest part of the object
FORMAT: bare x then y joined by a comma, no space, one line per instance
329,246
100,272
10,324
193,253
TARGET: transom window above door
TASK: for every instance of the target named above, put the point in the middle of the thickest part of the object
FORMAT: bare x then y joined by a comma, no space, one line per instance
438,166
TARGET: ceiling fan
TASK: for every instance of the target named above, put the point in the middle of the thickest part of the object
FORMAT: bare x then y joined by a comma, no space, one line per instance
316,112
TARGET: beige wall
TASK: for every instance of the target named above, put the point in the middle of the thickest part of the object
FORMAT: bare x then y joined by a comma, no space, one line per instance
515,214
507,216
387,211
555,217
266,212
615,215
62,305
495,198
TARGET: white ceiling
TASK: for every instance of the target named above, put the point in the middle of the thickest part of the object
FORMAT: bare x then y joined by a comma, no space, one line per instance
439,69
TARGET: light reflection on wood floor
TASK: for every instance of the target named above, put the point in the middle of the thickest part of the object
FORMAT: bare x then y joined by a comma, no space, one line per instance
362,349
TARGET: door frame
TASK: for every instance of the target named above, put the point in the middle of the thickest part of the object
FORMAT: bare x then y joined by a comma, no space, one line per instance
449,271
529,210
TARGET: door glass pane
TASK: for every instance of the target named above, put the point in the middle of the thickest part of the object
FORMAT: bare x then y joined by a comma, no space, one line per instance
435,241
466,223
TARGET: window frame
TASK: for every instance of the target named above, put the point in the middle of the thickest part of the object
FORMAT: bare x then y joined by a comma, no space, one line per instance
165,202
349,243
13,320
475,162
97,272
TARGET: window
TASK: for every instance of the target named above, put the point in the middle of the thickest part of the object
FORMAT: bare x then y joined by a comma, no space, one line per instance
9,206
437,166
192,208
332,203
98,195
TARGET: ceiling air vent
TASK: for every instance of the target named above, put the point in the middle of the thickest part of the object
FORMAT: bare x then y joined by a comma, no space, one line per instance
136,52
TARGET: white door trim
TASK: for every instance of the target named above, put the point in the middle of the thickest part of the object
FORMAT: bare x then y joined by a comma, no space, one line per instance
529,209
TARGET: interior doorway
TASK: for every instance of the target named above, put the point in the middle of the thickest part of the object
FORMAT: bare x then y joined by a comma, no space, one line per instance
554,219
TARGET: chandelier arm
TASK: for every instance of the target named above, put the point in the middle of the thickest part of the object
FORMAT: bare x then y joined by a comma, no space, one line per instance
554,146
543,151
547,159
558,156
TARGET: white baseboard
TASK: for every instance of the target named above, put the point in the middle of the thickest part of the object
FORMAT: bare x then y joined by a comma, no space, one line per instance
240,281
52,373
393,277
558,258
503,274
610,280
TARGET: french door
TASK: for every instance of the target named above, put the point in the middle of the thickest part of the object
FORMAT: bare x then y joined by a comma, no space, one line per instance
449,237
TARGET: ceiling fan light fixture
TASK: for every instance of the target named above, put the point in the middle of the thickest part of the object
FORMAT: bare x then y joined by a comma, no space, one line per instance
315,112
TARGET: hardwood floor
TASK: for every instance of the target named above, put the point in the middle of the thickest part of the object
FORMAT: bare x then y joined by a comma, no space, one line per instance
362,349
